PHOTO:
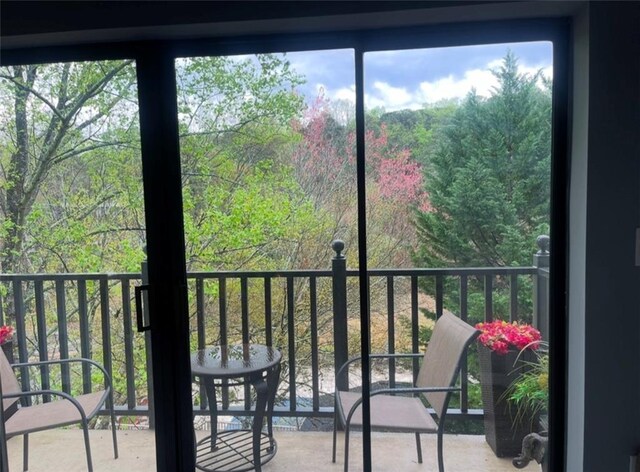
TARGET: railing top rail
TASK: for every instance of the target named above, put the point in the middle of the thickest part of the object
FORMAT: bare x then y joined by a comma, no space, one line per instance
446,271
226,274
453,271
70,276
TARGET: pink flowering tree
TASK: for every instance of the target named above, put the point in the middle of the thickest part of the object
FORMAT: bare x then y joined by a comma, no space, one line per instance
394,191
325,166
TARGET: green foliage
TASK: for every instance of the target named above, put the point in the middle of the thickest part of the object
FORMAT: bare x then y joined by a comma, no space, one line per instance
223,94
82,210
487,164
240,198
411,129
488,182
530,391
249,201
489,176
69,168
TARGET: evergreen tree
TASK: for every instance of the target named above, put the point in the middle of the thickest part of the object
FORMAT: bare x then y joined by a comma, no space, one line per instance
489,175
488,181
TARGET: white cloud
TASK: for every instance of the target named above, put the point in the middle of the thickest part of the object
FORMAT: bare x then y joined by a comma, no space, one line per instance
343,93
450,87
482,80
392,97
547,70
346,93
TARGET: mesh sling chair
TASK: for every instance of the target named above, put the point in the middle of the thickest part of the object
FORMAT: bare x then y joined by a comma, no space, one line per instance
66,411
436,381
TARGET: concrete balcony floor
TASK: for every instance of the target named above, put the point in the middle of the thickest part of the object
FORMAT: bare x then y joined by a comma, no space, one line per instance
62,450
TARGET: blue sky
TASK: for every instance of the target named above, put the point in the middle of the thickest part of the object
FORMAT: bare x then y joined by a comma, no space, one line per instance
412,78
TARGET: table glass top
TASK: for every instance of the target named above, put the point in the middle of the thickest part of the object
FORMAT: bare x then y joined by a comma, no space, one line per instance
233,361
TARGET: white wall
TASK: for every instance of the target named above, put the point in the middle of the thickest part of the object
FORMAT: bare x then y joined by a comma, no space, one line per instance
577,242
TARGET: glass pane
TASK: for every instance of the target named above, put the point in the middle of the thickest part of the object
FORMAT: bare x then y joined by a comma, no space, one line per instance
458,148
267,146
73,228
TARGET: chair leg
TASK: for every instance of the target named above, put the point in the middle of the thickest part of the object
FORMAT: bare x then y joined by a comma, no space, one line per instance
113,426
346,447
195,445
87,446
335,434
440,455
419,448
25,452
210,390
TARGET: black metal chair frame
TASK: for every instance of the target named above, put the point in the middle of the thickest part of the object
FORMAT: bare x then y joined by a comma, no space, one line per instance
107,398
345,420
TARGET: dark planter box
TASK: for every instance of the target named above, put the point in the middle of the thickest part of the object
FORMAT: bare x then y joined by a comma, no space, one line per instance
7,348
502,430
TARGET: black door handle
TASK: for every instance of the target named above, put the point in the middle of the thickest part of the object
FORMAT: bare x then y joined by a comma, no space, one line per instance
139,317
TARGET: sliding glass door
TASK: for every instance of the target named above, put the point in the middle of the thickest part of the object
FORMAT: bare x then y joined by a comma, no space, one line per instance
268,165
458,164
73,249
298,209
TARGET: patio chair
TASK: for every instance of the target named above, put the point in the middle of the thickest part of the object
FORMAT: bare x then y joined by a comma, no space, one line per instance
391,408
55,413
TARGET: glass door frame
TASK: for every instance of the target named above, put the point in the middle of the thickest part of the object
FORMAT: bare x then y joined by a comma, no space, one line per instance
167,295
163,197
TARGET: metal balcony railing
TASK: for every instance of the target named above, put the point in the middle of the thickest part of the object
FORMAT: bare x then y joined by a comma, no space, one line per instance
306,313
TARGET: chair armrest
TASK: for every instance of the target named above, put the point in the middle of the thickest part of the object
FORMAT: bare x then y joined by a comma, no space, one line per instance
57,393
396,355
414,390
377,356
67,361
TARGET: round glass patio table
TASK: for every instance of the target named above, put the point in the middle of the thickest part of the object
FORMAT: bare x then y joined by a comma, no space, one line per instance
224,366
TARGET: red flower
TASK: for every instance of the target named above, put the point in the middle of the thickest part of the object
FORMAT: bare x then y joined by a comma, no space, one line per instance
6,332
499,336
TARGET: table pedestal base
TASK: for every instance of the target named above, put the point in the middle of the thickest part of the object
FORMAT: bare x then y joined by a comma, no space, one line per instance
233,451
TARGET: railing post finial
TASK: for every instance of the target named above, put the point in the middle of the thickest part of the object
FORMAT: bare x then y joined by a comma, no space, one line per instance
338,246
543,241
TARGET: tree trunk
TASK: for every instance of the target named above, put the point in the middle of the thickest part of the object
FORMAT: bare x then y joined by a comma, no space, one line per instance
17,174
15,211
